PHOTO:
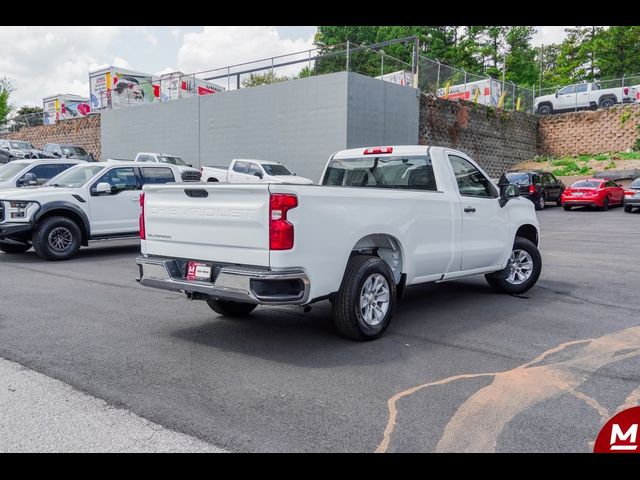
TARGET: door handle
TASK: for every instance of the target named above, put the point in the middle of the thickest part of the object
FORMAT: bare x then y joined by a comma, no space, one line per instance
469,209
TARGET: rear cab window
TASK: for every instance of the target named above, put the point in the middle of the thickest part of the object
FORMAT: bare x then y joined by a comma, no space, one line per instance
401,172
151,175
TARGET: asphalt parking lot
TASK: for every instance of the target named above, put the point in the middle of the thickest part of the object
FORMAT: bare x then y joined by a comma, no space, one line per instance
461,368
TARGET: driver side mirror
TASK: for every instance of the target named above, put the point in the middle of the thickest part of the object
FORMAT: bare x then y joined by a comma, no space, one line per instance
507,192
619,184
556,94
259,175
103,188
56,154
4,147
28,180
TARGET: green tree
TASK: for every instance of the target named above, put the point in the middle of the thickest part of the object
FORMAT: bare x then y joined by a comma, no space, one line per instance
256,79
5,92
616,51
27,116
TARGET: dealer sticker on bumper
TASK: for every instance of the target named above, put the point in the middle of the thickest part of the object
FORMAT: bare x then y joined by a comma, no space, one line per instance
198,271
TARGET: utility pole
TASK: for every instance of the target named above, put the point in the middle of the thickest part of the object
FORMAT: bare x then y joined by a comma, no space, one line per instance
541,63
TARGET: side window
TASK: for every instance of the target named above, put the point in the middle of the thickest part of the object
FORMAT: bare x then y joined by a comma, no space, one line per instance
120,179
156,175
253,169
546,179
567,90
581,88
611,183
143,158
471,182
48,147
595,86
44,173
63,166
241,167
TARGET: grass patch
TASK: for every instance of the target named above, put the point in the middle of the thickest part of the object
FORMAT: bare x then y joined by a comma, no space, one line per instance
564,162
628,155
602,157
584,157
610,165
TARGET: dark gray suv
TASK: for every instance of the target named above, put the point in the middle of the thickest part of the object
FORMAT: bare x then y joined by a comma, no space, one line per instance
66,150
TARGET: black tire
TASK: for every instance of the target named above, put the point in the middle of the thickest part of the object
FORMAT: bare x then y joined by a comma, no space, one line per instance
540,203
231,309
605,204
628,208
607,102
347,313
498,280
57,229
567,208
545,109
14,248
212,180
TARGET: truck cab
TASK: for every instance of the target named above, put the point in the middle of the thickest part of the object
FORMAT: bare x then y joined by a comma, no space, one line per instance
186,169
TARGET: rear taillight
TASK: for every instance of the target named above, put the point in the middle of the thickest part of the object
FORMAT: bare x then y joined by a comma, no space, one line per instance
629,193
280,230
143,233
532,189
626,90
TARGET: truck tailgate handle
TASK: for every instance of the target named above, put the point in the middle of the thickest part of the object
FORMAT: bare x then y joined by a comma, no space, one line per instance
196,192
469,209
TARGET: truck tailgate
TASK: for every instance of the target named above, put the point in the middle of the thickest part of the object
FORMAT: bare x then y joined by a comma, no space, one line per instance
212,222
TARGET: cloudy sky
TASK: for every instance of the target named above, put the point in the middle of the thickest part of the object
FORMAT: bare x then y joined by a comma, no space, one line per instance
42,61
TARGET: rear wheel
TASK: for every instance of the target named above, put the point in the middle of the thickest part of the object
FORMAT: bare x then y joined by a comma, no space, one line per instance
14,247
542,200
522,271
605,204
566,207
607,102
366,300
628,208
231,309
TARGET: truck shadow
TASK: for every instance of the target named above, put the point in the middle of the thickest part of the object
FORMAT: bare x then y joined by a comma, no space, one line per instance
428,316
94,252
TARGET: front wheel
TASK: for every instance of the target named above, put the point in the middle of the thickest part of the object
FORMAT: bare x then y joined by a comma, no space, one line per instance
567,208
522,271
605,204
628,208
545,110
366,300
57,238
14,247
231,309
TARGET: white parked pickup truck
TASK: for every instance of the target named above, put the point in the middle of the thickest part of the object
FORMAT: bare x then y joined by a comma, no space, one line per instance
252,171
89,201
382,218
187,171
582,96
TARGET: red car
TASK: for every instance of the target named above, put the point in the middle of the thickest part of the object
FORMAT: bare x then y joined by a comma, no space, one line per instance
593,192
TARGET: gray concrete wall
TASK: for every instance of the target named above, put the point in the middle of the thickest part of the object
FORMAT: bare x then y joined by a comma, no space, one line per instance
299,122
381,113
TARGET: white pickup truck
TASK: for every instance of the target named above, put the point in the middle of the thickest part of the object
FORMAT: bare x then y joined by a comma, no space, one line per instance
187,171
89,201
252,171
582,96
383,218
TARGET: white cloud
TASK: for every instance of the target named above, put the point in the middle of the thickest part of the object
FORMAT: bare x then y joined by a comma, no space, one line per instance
217,47
42,61
548,34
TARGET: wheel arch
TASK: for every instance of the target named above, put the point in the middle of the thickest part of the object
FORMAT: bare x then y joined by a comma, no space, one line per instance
69,210
528,231
385,246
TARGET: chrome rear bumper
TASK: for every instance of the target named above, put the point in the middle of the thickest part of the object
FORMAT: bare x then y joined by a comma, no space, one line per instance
233,283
